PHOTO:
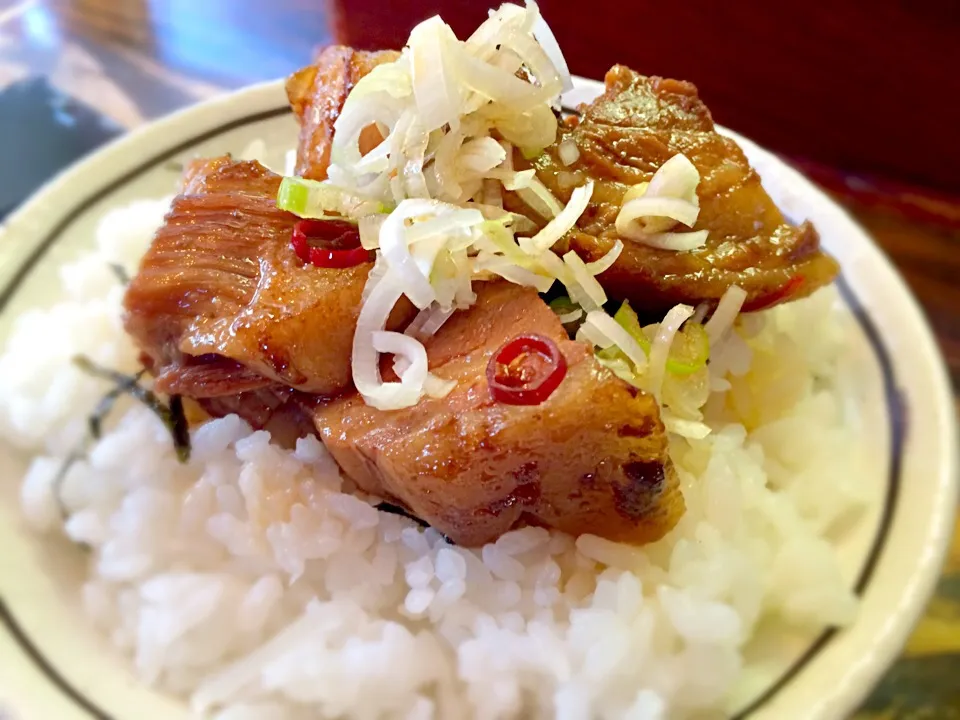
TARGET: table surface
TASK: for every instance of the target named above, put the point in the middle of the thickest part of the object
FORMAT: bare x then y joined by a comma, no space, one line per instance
135,60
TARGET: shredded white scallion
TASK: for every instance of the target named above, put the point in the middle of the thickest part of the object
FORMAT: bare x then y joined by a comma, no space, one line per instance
650,210
606,262
700,312
571,316
548,41
365,359
435,85
677,177
429,198
514,273
660,349
560,225
677,242
595,297
369,227
726,313
540,199
612,330
646,206
590,333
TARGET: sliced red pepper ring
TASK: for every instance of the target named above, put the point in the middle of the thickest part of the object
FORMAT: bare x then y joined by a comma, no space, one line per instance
526,370
328,243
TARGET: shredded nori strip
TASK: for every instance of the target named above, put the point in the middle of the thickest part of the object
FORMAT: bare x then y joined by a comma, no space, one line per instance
122,277
171,415
397,510
179,428
105,406
75,456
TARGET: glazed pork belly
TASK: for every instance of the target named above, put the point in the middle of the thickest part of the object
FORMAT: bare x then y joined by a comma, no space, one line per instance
622,139
592,458
317,93
222,304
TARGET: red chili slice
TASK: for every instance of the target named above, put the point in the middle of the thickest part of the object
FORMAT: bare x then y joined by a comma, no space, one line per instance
526,370
772,298
328,243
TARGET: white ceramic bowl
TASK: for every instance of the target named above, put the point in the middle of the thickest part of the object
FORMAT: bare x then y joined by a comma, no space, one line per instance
54,665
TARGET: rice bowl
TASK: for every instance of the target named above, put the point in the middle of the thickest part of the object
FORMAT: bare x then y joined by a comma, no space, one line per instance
536,620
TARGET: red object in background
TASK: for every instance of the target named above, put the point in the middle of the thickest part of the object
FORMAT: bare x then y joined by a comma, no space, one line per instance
861,86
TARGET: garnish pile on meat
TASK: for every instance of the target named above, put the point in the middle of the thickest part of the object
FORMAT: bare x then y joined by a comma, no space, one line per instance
437,376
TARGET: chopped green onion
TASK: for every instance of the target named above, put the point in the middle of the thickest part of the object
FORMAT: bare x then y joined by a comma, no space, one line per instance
690,350
293,196
502,239
567,310
313,199
616,362
688,354
628,320
615,359
563,305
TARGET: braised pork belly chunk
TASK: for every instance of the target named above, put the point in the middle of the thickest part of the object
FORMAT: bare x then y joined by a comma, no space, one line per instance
222,304
592,458
317,93
621,140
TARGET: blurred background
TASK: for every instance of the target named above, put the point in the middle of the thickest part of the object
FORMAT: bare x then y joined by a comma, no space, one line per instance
864,97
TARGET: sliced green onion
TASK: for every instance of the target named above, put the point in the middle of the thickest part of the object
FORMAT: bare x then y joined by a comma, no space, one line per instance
540,199
293,196
513,180
566,310
616,362
502,240
690,350
563,305
688,354
628,320
611,353
313,199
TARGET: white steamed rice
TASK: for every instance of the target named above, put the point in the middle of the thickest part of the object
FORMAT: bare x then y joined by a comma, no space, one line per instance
250,582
